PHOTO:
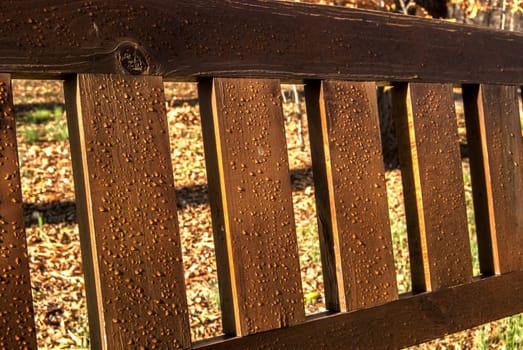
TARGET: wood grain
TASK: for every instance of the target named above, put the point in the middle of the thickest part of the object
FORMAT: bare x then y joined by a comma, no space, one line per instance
127,210
17,328
205,93
496,158
413,319
477,175
433,186
351,196
258,221
254,38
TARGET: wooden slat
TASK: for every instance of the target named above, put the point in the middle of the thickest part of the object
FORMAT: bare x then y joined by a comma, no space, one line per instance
408,321
479,192
433,186
205,93
17,328
256,38
351,193
245,134
127,211
496,159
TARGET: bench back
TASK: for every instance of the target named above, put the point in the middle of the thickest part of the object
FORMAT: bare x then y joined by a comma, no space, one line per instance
114,55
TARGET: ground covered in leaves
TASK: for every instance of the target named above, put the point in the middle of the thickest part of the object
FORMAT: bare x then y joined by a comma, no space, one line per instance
54,249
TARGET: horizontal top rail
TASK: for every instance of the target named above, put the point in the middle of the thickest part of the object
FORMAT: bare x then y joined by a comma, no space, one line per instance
188,39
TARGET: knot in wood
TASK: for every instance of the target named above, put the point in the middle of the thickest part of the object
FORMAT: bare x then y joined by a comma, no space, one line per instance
132,59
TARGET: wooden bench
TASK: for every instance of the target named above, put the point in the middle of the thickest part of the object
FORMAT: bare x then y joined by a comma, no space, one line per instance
114,56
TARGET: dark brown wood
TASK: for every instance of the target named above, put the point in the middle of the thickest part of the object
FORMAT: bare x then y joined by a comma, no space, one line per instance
433,187
400,116
256,38
17,328
124,183
351,196
479,192
249,147
128,219
205,93
408,321
321,193
496,157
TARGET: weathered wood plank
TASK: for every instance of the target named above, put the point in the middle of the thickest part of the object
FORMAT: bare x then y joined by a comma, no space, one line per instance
205,94
127,210
433,186
496,157
351,196
256,38
322,188
479,192
250,152
17,328
408,321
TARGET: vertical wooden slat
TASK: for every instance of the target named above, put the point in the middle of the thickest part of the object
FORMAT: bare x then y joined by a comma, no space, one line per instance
127,209
433,186
351,192
479,186
322,190
496,157
17,328
205,93
245,135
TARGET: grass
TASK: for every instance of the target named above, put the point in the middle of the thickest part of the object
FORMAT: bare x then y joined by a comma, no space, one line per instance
309,246
43,124
470,217
213,293
513,335
400,242
398,224
504,334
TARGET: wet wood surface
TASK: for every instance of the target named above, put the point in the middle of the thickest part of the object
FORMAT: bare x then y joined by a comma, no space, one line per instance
254,38
494,135
245,125
479,192
351,195
127,209
17,327
205,93
398,324
433,186
124,178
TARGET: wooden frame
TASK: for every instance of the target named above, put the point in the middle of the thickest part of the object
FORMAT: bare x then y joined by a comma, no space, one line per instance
113,56
249,38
